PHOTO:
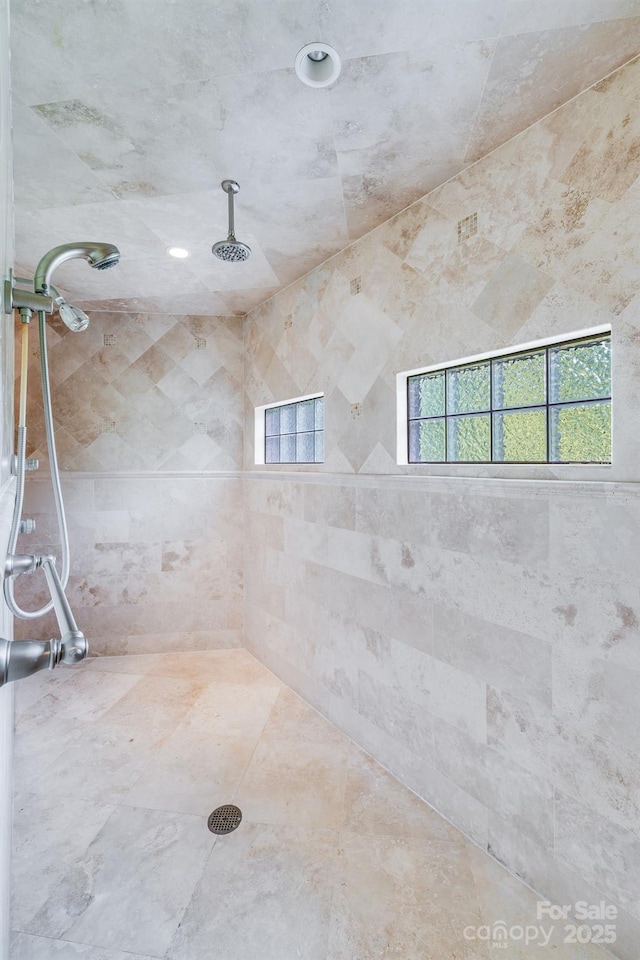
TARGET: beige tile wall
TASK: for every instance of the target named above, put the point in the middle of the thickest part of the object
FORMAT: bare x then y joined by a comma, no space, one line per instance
151,392
556,252
148,411
156,561
482,641
479,635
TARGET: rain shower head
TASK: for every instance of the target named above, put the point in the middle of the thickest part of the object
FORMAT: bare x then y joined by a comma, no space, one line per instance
231,250
98,255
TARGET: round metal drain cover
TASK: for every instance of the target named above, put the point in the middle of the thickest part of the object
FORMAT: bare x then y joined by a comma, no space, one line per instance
225,819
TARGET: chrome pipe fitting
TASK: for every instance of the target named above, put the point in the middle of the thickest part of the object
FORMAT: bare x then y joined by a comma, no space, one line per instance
22,658
73,646
16,564
30,463
24,300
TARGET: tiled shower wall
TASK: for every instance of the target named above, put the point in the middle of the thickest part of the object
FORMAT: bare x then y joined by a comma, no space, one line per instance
6,489
148,416
479,634
556,251
480,639
156,561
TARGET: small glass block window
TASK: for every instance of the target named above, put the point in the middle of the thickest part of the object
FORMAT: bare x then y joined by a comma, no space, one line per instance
294,432
549,405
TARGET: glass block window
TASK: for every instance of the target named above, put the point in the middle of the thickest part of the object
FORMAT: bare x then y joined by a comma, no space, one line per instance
546,405
294,432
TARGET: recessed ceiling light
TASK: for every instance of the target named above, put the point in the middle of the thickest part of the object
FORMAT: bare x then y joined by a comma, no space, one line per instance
318,64
179,252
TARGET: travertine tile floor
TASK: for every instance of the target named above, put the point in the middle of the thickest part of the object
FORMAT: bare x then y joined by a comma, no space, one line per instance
119,763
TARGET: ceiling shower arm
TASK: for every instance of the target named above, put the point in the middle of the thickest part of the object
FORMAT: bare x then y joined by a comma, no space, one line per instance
231,250
230,187
232,226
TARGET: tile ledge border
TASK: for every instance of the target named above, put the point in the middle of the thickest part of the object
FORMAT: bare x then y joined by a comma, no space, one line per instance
434,483
139,475
437,483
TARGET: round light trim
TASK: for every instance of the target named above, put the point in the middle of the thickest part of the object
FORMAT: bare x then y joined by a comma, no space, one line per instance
178,252
315,72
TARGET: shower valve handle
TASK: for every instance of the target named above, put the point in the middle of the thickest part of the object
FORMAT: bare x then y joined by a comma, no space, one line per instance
22,658
73,646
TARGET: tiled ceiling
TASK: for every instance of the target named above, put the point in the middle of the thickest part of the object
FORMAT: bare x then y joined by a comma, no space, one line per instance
129,113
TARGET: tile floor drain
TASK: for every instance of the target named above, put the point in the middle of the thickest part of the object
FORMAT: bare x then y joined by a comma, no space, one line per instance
224,819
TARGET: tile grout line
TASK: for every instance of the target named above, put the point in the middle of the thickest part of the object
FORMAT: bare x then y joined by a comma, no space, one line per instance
337,851
43,936
215,842
193,892
258,738
150,956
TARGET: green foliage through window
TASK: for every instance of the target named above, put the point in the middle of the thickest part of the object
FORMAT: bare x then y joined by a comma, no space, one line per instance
469,389
469,438
550,405
520,436
578,428
426,440
426,396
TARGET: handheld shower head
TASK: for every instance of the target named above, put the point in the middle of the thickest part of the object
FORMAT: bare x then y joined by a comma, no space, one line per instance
231,250
98,255
106,261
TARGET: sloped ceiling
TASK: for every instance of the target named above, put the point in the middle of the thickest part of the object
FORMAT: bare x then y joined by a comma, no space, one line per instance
129,113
